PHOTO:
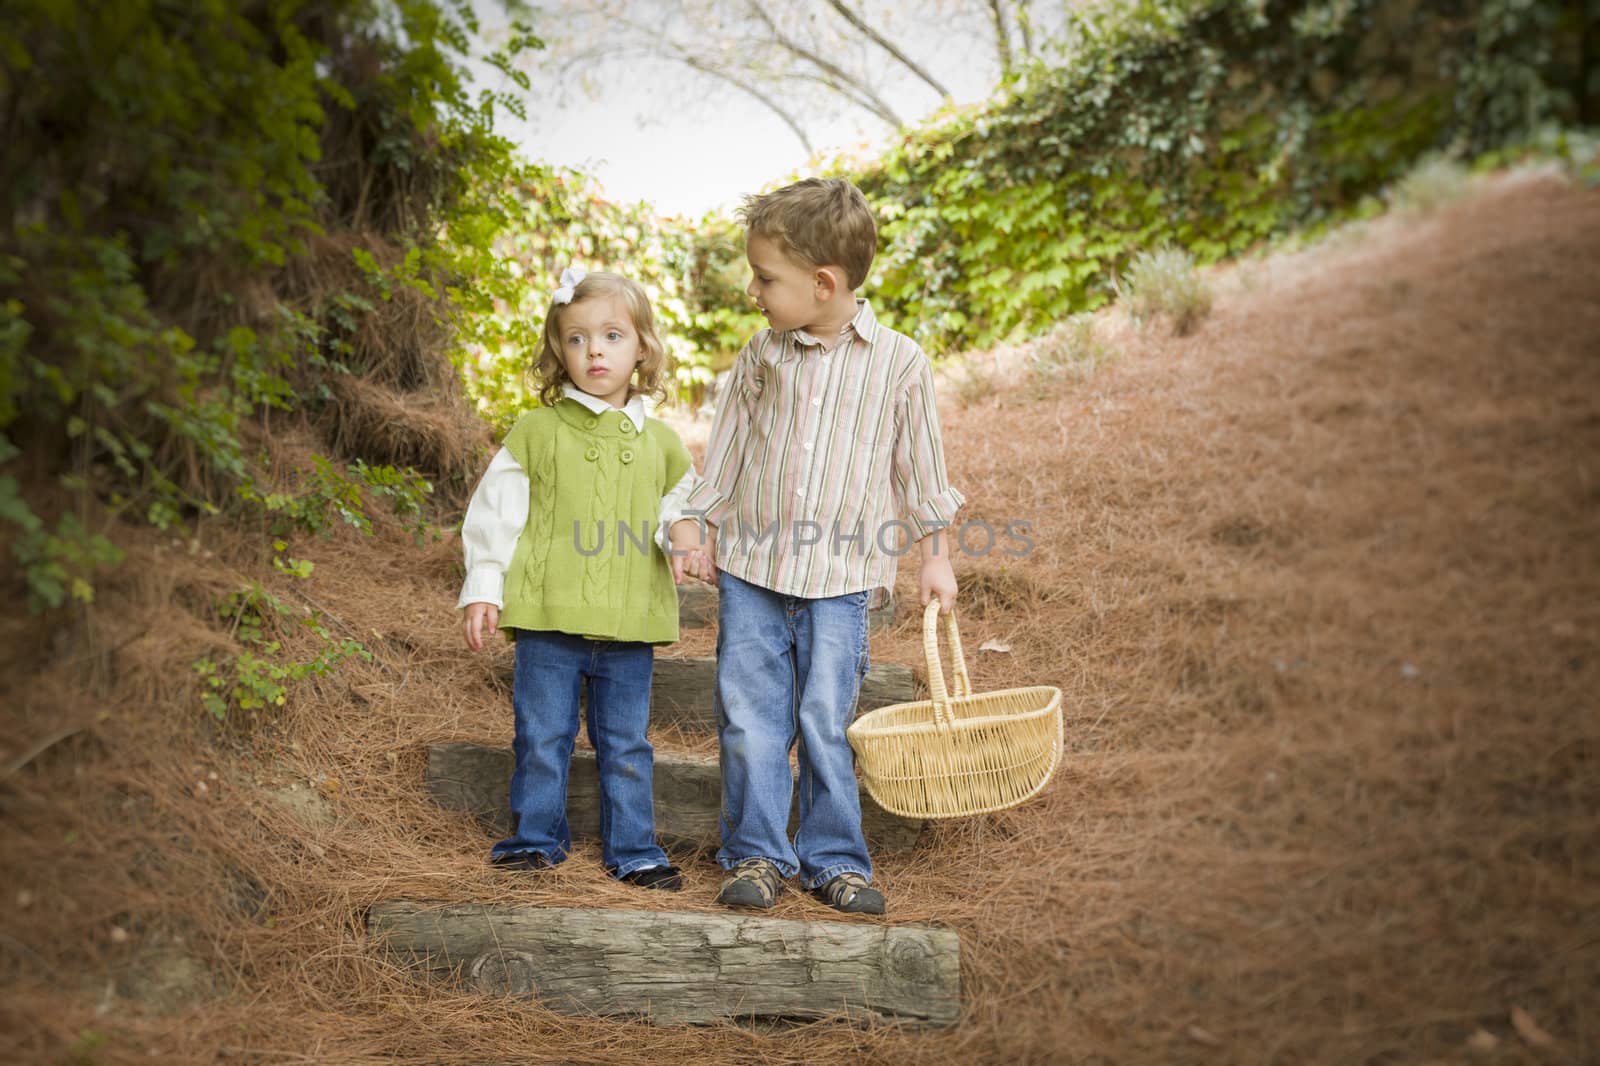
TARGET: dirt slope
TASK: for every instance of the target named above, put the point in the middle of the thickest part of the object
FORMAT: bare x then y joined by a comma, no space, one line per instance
1321,586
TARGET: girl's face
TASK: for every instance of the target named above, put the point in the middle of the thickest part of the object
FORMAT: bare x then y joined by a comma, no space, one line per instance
600,347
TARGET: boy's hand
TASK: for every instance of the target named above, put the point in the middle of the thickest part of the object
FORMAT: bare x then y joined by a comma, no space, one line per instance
694,550
937,577
482,619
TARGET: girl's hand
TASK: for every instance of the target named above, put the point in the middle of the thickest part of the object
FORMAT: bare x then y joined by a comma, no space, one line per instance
694,550
482,619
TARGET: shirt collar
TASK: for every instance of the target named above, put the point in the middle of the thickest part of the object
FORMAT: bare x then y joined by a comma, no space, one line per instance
634,408
865,325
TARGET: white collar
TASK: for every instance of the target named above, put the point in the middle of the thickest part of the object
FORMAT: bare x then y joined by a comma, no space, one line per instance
634,408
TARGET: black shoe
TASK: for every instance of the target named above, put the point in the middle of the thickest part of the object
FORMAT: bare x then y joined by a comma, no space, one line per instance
850,893
663,878
753,883
521,860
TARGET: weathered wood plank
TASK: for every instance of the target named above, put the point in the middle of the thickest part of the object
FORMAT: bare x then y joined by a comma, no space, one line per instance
688,795
681,968
697,606
682,693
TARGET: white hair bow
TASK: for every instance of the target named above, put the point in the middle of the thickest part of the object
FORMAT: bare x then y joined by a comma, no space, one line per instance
570,278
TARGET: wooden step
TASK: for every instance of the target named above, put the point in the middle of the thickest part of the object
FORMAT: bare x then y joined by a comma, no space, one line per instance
697,606
684,687
683,690
688,794
678,968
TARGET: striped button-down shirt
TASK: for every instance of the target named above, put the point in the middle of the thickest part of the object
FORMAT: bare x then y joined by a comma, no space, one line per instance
825,465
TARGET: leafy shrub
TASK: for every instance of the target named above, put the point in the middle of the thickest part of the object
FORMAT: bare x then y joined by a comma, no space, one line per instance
1165,282
1428,186
974,383
258,675
1071,349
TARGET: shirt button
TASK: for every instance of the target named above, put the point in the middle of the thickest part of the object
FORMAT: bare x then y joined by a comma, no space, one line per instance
808,446
816,402
590,422
592,454
627,455
799,492
627,426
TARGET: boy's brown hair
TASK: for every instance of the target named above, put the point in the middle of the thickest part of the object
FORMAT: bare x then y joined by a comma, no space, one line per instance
648,379
818,222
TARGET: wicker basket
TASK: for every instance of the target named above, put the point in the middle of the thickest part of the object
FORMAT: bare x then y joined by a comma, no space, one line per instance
958,754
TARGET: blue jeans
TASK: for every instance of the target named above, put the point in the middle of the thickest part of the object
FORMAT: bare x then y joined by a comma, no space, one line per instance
789,669
550,669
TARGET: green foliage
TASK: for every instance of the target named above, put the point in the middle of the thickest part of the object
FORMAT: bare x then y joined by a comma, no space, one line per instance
60,563
289,565
170,168
82,1051
259,674
1575,151
325,487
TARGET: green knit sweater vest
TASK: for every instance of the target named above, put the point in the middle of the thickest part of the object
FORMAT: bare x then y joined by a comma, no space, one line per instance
586,562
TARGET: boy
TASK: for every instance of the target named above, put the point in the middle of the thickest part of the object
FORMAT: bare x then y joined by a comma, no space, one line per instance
824,455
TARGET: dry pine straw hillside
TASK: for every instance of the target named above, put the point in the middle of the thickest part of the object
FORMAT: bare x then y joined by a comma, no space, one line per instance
1318,582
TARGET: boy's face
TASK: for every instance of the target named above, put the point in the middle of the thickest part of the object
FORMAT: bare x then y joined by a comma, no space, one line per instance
786,291
600,347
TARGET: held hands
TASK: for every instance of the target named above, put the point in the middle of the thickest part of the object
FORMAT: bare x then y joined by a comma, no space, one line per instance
481,620
694,550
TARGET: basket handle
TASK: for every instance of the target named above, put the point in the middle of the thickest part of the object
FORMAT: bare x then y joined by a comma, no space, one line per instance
930,651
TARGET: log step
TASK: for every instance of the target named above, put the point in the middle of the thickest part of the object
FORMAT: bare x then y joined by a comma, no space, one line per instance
681,968
688,796
697,606
682,692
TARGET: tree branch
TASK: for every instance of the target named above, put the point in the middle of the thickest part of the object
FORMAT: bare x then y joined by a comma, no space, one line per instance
696,63
888,46
1002,36
1025,24
840,77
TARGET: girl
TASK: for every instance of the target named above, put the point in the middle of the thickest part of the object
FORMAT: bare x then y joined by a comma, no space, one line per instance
559,555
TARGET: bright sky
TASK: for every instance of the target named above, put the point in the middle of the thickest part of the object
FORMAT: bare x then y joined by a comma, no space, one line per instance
683,164
693,146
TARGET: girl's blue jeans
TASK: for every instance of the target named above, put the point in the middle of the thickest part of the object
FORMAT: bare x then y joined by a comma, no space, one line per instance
789,671
551,668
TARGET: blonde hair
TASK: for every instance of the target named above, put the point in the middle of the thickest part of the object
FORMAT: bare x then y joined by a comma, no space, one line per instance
817,222
649,378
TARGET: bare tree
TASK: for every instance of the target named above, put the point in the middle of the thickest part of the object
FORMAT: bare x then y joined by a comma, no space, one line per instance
803,61
856,89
